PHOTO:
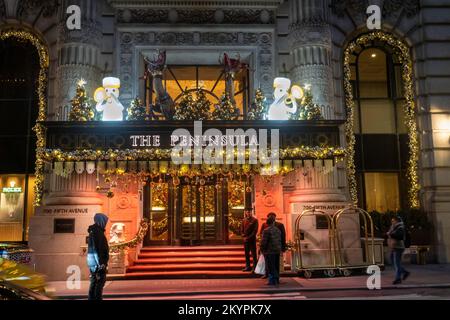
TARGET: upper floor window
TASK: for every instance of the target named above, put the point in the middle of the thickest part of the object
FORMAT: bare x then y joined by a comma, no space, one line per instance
377,85
209,78
379,125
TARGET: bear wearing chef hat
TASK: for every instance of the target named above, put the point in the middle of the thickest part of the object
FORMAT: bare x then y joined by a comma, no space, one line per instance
107,98
285,100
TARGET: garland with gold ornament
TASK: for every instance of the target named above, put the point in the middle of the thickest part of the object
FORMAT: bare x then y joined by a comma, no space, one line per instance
53,155
402,51
143,228
159,227
236,194
235,225
42,50
162,156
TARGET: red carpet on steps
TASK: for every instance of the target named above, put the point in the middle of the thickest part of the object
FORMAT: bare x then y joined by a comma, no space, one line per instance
189,262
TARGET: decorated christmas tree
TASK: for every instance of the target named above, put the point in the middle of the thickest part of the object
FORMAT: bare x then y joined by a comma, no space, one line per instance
308,110
225,110
258,108
193,107
311,111
202,106
82,109
136,110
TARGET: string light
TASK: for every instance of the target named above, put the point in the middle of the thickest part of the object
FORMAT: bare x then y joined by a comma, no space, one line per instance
54,155
403,53
42,51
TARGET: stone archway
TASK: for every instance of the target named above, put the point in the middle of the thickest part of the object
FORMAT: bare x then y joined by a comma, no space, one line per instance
42,50
402,51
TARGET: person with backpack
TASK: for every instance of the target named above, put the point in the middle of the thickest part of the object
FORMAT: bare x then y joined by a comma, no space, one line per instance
396,243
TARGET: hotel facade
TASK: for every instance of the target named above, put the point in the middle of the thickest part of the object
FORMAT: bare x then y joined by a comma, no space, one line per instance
380,140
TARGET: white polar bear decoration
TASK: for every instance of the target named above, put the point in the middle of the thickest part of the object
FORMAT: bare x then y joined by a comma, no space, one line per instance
107,98
284,103
117,233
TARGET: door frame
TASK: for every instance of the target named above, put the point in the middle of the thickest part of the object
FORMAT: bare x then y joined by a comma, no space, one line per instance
221,212
174,213
170,214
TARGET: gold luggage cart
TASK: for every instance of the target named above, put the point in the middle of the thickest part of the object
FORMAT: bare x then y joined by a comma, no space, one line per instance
329,269
345,268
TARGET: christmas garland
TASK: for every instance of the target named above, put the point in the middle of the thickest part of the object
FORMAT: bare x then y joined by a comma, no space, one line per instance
42,50
403,53
160,227
234,225
53,155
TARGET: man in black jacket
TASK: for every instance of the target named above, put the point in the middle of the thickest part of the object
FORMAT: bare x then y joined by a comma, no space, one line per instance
97,256
249,231
271,248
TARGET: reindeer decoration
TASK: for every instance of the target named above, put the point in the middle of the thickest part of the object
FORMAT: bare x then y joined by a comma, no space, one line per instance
155,68
231,68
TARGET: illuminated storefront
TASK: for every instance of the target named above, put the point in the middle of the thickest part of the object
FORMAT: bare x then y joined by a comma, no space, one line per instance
352,106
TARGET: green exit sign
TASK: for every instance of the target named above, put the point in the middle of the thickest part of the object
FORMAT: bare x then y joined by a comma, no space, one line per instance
12,190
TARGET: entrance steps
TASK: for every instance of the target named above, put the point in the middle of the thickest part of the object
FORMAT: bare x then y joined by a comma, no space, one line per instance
189,262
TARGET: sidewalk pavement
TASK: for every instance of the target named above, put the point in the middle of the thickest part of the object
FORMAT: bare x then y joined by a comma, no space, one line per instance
422,276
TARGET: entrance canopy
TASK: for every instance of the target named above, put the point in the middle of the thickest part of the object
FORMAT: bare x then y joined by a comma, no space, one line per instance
244,147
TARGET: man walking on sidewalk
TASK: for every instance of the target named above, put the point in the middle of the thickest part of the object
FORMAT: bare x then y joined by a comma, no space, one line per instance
396,242
249,231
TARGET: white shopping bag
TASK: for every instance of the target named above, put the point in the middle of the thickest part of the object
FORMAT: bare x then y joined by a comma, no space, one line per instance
261,266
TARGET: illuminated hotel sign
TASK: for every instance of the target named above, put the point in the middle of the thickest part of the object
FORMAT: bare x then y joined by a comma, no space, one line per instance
12,190
104,135
188,140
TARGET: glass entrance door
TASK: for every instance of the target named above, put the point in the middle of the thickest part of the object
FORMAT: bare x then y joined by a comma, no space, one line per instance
200,219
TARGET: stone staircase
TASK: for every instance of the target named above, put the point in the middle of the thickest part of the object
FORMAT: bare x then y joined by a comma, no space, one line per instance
189,262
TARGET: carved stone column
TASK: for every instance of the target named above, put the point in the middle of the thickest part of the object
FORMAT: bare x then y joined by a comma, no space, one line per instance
310,47
78,54
58,229
77,189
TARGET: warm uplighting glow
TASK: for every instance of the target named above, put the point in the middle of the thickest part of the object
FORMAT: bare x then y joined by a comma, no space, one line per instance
157,208
373,55
194,219
441,124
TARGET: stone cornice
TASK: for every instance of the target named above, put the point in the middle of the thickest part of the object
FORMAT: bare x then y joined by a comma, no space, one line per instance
203,4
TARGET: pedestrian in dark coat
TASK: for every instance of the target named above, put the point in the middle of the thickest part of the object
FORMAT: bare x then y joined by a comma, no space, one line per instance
97,256
249,231
280,226
271,248
396,243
